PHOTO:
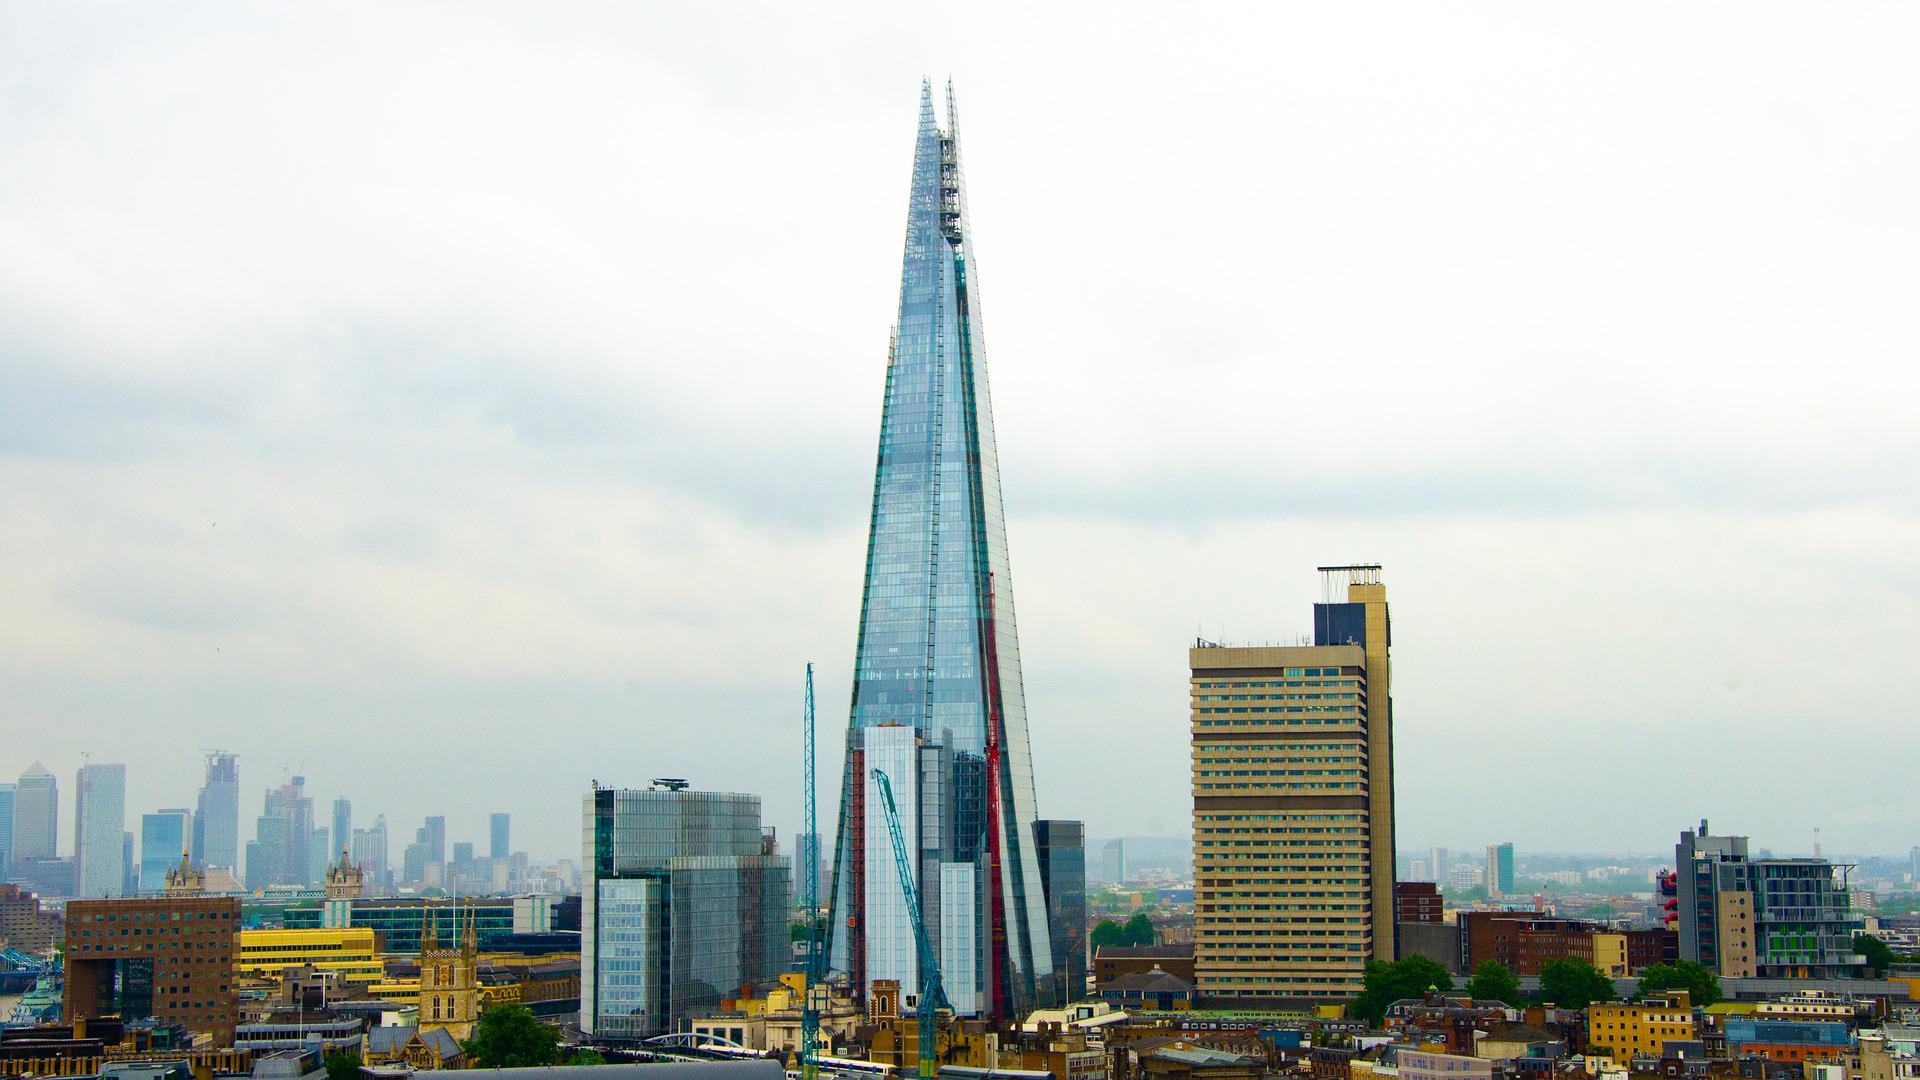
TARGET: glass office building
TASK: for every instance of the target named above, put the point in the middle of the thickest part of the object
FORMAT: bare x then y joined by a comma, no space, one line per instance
164,836
687,901
937,654
100,830
216,820
1062,850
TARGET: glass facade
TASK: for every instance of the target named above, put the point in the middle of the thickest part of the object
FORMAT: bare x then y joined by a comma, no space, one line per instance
686,904
937,649
1062,849
163,837
100,830
216,820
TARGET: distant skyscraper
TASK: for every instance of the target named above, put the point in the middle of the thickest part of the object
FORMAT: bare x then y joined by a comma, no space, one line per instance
938,702
500,835
370,851
342,828
1294,860
6,828
99,830
287,849
36,814
687,901
434,835
216,820
164,836
1499,872
1437,865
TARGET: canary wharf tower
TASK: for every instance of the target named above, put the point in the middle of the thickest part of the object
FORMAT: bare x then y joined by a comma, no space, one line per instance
937,700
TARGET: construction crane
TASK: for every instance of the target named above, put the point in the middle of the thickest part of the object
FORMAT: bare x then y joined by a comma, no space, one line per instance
933,996
810,903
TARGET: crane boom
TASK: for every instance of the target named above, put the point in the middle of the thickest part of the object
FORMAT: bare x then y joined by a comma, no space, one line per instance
933,995
810,903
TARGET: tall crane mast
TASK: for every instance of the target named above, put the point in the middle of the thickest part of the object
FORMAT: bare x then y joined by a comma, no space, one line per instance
810,903
933,995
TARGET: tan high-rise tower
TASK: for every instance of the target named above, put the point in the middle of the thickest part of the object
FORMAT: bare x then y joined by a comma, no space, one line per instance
1293,803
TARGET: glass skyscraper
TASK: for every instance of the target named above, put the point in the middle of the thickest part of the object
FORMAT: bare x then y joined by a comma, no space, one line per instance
164,836
937,699
216,820
686,902
36,814
100,830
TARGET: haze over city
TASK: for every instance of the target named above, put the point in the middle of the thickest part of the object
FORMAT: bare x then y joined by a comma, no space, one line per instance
465,405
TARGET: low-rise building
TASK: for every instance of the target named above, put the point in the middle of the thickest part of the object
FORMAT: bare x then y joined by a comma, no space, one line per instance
1621,1031
1112,961
1423,1065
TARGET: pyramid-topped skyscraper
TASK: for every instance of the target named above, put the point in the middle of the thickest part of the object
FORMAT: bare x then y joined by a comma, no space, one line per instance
937,699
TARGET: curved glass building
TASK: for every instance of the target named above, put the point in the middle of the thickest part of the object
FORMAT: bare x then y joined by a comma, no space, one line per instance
937,698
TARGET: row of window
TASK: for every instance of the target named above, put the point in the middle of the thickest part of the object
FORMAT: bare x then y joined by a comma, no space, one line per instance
1291,673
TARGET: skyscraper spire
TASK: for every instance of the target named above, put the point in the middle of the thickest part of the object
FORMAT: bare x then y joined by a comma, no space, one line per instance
938,702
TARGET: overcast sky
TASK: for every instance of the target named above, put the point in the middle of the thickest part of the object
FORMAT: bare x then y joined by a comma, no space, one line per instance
458,404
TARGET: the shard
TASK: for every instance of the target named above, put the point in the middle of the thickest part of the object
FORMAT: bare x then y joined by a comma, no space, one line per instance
937,698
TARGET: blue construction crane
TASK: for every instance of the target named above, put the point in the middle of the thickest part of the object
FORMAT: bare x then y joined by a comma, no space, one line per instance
810,904
933,996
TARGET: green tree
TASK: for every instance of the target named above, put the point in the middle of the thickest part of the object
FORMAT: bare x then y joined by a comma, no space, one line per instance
1107,933
509,1037
1572,983
1139,930
1492,981
1386,983
342,1066
1699,981
1879,957
580,1057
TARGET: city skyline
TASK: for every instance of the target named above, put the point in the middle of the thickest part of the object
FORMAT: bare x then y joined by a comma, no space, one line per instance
355,472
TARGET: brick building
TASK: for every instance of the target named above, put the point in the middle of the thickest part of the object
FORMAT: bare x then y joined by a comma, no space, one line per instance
1112,961
1416,902
1522,942
169,958
23,925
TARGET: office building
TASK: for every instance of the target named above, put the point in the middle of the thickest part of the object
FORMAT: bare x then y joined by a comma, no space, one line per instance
499,836
1061,847
99,830
342,836
1764,918
402,920
938,701
1499,870
36,815
164,836
369,851
1622,1032
1437,865
687,901
352,955
288,848
6,828
216,818
1293,803
168,958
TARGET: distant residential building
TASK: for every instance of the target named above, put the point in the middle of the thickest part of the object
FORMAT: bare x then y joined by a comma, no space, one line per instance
1437,865
1767,918
121,963
99,830
216,818
1464,878
1499,869
686,903
165,835
1061,847
36,816
1621,1031
23,925
1416,902
1292,751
